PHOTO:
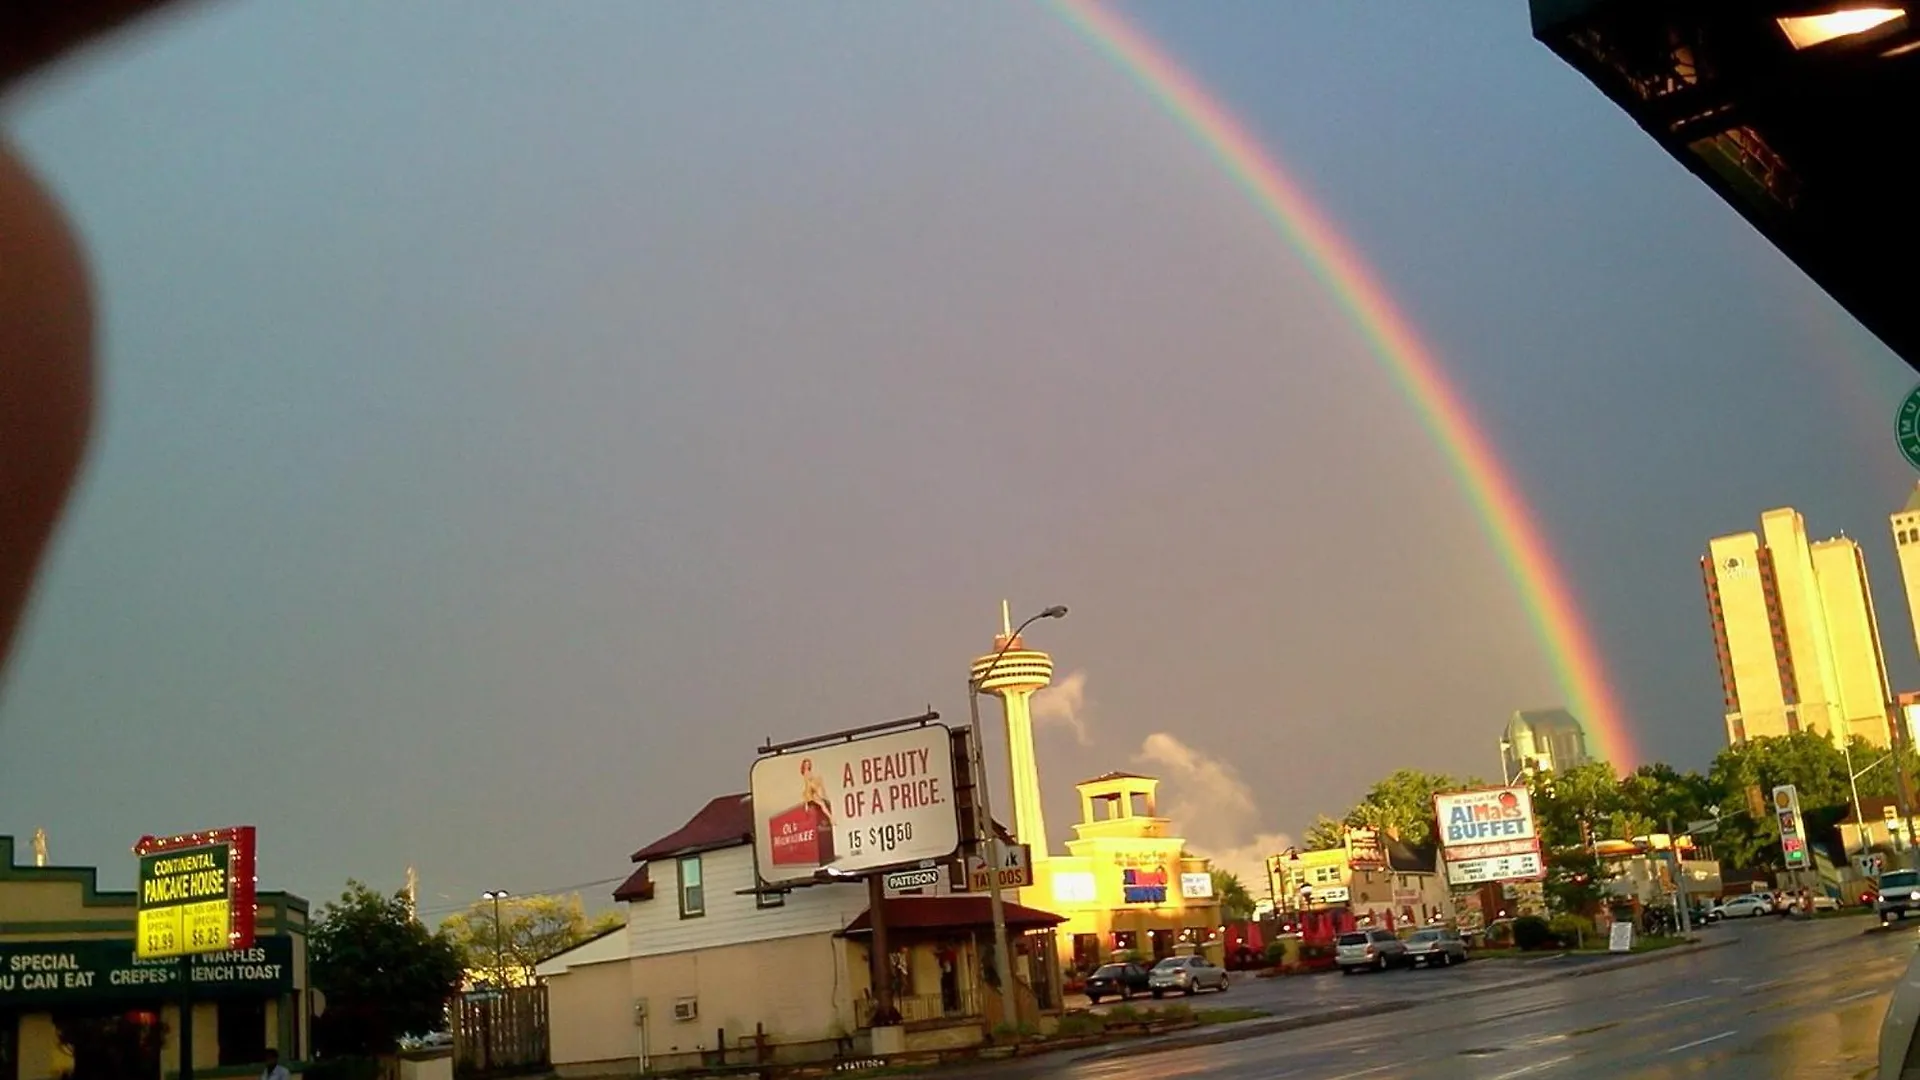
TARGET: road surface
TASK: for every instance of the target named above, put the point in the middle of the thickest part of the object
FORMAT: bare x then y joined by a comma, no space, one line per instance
1787,1000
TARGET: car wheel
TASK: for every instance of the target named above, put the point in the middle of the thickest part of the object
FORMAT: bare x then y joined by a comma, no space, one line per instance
1158,994
1093,999
1445,958
1383,962
1127,994
1346,971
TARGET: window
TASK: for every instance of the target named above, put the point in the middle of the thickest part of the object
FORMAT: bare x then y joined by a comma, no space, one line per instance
693,895
765,900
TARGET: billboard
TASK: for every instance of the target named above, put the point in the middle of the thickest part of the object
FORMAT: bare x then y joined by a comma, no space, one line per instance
1364,851
196,893
1488,835
855,807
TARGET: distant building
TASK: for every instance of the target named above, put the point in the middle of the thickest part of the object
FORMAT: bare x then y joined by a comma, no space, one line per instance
1906,546
1795,634
1542,740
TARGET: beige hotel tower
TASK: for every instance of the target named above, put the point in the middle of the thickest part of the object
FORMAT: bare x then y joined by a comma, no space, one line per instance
1796,634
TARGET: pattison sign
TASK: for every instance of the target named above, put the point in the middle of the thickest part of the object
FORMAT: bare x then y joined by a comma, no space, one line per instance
53,972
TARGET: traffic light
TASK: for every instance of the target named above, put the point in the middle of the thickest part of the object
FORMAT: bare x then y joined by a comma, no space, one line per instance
1756,802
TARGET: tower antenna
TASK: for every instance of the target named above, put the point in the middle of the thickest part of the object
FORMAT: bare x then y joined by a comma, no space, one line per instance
1006,619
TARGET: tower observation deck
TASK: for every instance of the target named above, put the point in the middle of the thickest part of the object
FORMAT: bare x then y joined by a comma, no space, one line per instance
1019,674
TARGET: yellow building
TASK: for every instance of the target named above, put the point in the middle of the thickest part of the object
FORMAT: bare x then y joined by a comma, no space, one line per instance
1795,634
67,964
1906,546
1859,664
1126,883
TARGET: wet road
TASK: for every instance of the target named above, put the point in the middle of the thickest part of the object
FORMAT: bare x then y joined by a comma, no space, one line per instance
1799,1000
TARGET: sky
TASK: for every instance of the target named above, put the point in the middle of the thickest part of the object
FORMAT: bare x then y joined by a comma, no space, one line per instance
511,420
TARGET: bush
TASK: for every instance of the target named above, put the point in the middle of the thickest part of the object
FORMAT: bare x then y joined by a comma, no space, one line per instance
1081,1023
1276,952
1572,931
1500,934
1531,932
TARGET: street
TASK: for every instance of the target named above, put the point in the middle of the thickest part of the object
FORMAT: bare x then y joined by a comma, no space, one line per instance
1800,1000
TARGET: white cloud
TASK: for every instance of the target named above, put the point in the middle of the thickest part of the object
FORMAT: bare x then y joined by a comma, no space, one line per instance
1214,807
1064,704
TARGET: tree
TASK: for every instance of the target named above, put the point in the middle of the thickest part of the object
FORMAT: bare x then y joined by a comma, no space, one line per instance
1402,804
1576,881
1810,762
531,929
1570,803
384,975
1325,834
1235,902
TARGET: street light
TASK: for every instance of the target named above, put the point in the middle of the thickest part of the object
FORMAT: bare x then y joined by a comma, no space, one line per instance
499,950
1859,823
1002,958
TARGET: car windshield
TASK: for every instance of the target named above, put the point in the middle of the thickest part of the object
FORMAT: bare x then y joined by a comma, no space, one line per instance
1900,879
1425,935
1170,963
1110,971
1353,939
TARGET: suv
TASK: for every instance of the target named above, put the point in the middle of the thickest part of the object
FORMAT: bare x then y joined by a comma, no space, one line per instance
1899,895
1358,950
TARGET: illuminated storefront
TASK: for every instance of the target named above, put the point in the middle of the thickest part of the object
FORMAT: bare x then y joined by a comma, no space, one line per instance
1126,884
68,975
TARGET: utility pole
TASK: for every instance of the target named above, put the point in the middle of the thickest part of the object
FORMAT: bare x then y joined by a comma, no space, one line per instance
1903,784
1679,879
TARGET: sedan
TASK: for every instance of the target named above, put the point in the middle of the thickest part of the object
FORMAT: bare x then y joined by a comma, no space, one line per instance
1185,975
1116,980
1436,946
1748,906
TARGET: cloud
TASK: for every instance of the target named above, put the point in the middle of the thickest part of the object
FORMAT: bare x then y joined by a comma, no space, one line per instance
1214,807
1064,704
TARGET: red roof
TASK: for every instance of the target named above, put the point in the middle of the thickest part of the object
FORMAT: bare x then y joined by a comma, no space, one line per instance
952,913
638,886
723,823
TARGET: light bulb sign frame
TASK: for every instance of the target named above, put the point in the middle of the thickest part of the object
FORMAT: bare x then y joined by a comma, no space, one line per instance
1793,830
196,893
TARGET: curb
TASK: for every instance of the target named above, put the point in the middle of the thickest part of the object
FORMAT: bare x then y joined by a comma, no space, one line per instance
1254,1029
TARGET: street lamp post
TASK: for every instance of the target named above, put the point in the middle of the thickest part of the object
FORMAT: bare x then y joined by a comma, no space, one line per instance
1002,957
499,943
1853,781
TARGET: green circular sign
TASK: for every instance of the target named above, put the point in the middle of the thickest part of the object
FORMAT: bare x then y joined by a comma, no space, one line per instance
1906,427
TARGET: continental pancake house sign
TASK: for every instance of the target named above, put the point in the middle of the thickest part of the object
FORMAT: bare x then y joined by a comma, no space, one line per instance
195,893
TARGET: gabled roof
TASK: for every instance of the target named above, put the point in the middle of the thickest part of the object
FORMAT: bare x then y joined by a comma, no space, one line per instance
723,823
1104,777
969,912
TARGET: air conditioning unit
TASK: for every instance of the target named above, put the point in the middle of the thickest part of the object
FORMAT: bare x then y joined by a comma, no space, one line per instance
686,1009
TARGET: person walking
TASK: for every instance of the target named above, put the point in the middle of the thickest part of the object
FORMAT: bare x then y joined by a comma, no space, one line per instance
273,1070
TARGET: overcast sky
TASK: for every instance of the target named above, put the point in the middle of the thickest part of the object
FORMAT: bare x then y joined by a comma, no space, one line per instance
515,415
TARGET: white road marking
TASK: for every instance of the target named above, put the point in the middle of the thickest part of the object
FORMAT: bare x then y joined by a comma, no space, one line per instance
1363,1072
1538,1066
1689,1001
1703,1042
1768,985
1855,997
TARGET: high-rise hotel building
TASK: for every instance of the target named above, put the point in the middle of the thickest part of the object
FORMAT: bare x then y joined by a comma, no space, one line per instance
1796,634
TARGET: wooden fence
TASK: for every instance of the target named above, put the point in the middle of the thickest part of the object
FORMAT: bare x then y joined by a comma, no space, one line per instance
501,1033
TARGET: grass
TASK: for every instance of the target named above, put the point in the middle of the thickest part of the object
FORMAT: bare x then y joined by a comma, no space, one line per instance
1229,1015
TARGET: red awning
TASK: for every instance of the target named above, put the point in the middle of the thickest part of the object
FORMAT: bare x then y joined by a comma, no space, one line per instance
952,913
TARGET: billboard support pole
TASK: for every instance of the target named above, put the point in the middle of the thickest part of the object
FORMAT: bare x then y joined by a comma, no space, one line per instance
1002,963
883,1007
186,1017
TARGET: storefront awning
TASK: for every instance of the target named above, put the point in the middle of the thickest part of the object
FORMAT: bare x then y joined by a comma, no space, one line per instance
952,913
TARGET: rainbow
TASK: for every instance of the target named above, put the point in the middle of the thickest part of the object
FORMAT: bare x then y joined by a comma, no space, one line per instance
1544,590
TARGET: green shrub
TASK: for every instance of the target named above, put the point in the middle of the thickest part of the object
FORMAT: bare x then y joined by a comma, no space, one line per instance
1122,1014
1082,1023
1531,932
1572,931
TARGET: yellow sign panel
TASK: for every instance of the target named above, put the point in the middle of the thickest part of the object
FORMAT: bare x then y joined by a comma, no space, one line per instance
185,903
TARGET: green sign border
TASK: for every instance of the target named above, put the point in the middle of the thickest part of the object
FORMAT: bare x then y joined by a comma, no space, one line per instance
1906,427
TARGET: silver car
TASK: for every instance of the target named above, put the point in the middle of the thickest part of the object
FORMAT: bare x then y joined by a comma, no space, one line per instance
1185,975
1436,946
1359,950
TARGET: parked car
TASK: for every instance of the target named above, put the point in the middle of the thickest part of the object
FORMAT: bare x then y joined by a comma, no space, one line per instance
1745,906
1899,895
1185,975
1436,946
1359,950
1116,980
